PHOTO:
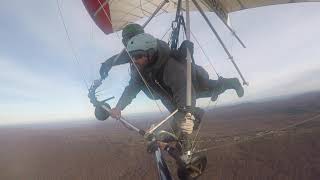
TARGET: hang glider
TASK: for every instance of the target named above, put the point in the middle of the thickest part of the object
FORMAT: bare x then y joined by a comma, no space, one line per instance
113,15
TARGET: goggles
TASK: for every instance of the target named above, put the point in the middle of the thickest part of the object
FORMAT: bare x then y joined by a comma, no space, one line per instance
138,54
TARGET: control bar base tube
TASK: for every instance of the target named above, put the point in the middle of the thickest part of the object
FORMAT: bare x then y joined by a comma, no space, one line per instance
124,121
163,121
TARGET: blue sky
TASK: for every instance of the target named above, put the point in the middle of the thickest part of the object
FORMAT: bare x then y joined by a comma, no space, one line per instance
42,81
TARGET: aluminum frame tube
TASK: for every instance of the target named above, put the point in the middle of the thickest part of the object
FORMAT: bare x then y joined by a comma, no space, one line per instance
220,40
163,170
124,121
189,59
163,121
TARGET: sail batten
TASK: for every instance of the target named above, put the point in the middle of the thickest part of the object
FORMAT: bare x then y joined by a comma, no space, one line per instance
113,15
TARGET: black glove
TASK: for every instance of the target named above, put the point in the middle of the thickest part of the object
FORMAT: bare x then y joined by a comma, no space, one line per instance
152,146
183,48
104,69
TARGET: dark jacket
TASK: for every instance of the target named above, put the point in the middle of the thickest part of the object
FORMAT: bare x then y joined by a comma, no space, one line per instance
166,78
153,74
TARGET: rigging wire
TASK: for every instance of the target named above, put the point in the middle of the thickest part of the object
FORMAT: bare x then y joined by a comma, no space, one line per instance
205,54
77,59
70,44
194,141
143,79
263,135
207,149
194,144
166,33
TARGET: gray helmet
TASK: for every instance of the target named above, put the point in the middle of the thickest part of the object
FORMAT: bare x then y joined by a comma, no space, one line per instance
142,43
129,31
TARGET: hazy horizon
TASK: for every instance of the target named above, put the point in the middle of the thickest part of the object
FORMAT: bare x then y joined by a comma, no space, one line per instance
42,81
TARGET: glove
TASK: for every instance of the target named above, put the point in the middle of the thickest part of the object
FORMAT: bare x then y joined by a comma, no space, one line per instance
183,48
148,136
115,113
104,69
188,123
96,83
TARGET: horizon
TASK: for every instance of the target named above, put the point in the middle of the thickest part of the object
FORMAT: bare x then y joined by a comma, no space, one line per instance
42,81
132,116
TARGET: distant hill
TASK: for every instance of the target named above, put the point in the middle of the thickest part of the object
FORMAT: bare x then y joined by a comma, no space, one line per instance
254,140
293,104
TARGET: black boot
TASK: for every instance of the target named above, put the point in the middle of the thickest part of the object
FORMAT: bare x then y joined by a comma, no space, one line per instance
227,83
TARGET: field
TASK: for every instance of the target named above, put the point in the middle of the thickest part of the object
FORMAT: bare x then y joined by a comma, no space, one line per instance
276,139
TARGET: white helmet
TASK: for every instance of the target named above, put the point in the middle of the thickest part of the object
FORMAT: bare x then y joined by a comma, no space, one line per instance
142,42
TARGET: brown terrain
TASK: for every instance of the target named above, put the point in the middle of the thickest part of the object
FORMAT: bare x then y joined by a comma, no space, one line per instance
276,139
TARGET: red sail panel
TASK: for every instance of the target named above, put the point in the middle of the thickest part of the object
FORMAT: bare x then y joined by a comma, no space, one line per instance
100,13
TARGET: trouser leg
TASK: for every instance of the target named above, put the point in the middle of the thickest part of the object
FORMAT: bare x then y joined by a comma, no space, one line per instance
213,88
224,84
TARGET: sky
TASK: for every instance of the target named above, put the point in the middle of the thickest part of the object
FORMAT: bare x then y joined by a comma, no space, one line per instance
45,76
